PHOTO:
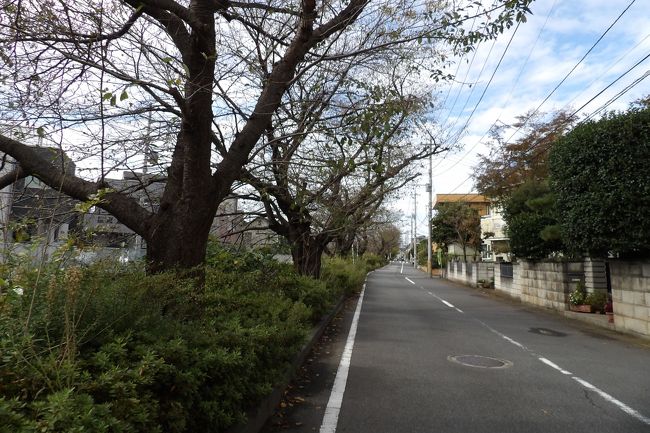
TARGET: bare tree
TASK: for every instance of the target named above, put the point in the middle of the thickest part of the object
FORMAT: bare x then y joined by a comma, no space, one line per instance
119,84
324,177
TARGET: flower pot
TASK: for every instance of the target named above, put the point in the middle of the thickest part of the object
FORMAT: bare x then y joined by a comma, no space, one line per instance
582,308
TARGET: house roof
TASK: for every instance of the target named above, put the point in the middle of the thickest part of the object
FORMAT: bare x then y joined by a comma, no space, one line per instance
461,198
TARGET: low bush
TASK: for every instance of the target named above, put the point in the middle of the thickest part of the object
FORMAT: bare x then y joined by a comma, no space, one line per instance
106,348
346,276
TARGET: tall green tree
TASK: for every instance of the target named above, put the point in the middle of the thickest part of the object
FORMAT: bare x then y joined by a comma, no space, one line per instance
530,214
599,174
457,223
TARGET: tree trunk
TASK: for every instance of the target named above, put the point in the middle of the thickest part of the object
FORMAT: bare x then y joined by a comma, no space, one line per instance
344,245
178,237
307,252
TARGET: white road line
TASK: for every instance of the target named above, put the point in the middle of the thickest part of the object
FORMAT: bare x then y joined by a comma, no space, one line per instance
402,270
625,408
407,279
447,304
505,337
444,302
331,417
554,365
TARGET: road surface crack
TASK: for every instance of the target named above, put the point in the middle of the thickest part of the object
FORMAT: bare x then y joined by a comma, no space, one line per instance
590,400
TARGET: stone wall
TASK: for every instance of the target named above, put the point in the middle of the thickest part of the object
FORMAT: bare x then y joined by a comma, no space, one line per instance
505,284
470,272
631,296
547,284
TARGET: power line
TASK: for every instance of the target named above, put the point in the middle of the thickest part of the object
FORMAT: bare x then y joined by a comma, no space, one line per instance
510,92
566,77
505,51
611,84
573,69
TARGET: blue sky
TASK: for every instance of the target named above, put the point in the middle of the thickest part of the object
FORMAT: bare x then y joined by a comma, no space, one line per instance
541,54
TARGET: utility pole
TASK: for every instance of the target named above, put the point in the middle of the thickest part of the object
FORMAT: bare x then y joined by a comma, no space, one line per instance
430,188
415,227
411,235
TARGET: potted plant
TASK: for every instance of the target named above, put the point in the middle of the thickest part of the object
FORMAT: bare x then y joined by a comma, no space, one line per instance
577,299
598,301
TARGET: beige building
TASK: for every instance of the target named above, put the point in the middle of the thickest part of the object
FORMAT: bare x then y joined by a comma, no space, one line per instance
495,244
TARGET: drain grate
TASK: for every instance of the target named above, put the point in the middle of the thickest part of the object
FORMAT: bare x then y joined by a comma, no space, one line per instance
548,332
479,361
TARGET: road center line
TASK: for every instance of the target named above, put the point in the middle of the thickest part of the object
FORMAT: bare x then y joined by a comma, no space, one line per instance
450,305
401,271
554,365
331,417
625,408
407,279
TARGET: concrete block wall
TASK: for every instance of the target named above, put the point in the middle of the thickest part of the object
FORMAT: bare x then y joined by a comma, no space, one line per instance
631,296
479,271
547,284
509,286
484,271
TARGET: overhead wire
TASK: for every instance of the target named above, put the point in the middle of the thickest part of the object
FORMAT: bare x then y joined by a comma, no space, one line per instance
616,20
600,38
510,92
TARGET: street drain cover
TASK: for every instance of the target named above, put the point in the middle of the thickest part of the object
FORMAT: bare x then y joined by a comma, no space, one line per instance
548,332
479,361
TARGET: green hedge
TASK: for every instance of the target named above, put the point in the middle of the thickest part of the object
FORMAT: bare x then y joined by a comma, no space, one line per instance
105,348
599,173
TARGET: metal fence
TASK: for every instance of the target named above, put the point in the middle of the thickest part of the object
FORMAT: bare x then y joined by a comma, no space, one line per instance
506,270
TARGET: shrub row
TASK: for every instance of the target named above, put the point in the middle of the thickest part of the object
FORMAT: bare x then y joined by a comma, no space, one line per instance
105,348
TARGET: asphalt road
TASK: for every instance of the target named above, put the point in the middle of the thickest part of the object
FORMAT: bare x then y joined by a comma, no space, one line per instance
434,356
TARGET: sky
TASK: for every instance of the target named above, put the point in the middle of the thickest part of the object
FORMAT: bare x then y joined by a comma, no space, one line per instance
536,57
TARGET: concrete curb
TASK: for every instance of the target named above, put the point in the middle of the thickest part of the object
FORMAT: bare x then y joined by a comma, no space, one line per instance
257,417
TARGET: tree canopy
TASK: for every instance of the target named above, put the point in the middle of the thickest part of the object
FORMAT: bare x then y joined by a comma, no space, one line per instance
456,223
512,163
189,89
533,230
599,174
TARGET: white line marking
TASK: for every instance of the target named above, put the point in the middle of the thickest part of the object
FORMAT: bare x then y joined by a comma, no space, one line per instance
407,279
447,304
505,337
625,408
402,270
554,365
458,309
331,417
430,293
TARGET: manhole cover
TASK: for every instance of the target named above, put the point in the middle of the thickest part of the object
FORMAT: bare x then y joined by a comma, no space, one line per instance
549,332
479,361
